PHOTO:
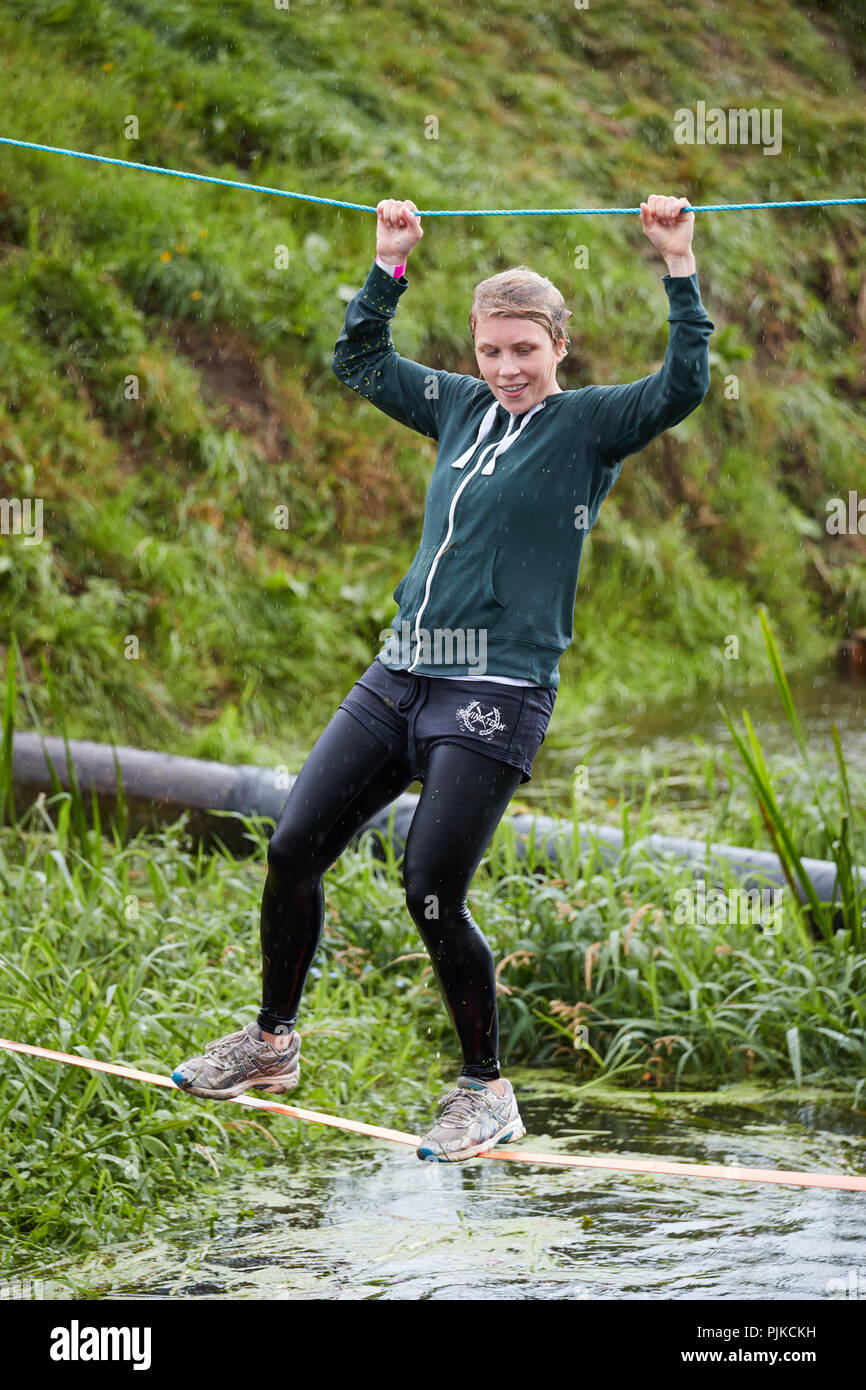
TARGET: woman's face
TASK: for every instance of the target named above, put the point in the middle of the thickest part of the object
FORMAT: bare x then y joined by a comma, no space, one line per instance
513,351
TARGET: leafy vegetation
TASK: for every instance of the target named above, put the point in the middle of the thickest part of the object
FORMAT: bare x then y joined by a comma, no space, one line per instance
138,949
210,491
246,518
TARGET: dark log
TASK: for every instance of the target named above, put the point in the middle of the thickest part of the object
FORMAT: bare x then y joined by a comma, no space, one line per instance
160,787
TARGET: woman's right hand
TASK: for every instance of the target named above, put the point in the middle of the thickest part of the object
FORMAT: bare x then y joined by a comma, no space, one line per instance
397,231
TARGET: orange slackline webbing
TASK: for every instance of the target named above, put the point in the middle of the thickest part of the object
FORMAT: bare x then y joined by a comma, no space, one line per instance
628,1165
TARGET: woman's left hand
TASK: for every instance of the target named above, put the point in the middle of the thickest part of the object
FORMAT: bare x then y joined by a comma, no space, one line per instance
666,228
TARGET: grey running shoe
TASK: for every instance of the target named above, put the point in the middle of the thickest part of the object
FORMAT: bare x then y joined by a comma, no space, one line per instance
240,1062
470,1120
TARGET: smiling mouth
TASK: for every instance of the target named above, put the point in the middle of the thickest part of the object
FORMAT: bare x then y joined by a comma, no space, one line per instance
514,390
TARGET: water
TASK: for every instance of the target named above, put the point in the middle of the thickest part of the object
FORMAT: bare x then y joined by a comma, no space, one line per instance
353,1219
680,735
359,1219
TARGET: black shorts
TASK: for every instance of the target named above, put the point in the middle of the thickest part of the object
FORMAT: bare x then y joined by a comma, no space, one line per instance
412,713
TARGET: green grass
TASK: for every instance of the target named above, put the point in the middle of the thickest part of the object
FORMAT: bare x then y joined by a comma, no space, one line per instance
163,524
161,510
140,949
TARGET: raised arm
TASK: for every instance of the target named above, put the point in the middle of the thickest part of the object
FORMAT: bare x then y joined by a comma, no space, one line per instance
365,358
621,420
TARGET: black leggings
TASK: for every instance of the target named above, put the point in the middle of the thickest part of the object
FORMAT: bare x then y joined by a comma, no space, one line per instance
348,777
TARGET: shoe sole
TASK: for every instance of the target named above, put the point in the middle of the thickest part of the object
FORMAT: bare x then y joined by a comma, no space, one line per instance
513,1130
274,1087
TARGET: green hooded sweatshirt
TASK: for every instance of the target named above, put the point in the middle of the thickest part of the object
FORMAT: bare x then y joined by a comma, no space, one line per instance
492,586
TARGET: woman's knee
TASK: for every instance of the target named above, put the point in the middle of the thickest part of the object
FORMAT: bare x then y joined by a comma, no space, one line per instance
423,886
289,861
432,899
423,901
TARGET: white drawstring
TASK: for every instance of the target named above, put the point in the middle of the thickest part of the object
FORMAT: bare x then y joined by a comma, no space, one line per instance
484,430
505,443
509,439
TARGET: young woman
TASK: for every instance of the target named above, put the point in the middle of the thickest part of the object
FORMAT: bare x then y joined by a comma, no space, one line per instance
461,696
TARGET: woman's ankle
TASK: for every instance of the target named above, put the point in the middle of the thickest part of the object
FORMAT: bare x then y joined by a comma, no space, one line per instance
278,1040
495,1082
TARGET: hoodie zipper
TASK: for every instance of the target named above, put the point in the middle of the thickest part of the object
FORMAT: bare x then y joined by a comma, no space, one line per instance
489,449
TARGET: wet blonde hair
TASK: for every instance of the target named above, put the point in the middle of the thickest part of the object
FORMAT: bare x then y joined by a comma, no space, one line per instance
521,293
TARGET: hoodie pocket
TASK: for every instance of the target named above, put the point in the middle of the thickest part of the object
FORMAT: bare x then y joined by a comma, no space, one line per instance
463,590
408,592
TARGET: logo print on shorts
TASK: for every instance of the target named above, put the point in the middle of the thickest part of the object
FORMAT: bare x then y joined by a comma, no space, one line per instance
473,719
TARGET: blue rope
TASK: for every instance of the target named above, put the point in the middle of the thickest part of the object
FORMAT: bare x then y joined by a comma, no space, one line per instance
460,212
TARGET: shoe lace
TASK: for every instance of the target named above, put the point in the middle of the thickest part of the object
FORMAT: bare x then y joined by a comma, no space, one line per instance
221,1046
460,1105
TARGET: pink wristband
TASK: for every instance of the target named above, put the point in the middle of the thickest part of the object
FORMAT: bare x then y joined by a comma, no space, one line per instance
396,272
